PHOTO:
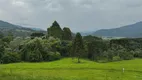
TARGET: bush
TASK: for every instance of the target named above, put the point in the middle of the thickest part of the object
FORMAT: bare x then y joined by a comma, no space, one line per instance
53,56
108,54
1,51
35,56
14,45
116,58
138,53
11,58
126,55
32,51
117,55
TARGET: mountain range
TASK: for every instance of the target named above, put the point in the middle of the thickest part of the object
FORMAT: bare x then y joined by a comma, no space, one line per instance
130,31
17,30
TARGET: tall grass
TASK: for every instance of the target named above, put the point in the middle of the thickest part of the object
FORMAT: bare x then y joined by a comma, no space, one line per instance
66,69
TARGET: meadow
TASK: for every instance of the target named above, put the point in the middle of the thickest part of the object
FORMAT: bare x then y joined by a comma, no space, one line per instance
68,69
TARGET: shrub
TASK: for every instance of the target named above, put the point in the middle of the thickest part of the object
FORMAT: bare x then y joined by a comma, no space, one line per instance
57,55
35,56
32,51
126,55
116,58
108,54
53,56
11,58
1,51
138,53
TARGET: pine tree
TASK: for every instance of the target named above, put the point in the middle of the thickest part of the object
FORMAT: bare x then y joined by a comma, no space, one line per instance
55,30
67,35
77,46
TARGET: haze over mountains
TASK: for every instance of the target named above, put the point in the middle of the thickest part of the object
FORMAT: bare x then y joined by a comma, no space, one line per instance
16,30
133,30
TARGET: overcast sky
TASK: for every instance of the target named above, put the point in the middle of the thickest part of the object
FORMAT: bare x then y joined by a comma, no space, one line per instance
79,15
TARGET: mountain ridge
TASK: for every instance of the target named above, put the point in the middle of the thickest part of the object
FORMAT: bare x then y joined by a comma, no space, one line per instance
16,30
132,30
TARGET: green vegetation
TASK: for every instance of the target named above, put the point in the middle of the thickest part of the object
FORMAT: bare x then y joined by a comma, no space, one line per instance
66,69
77,46
60,43
56,32
33,35
73,57
67,34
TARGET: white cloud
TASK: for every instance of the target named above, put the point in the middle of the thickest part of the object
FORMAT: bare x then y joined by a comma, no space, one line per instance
54,6
79,15
18,3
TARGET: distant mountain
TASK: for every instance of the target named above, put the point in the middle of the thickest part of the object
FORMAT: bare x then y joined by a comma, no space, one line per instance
134,30
37,29
16,30
86,33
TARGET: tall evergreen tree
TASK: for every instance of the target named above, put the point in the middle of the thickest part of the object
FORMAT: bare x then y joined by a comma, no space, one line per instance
55,30
77,46
67,35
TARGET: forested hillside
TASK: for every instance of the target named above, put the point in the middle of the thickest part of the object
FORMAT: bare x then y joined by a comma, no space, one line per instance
59,43
16,30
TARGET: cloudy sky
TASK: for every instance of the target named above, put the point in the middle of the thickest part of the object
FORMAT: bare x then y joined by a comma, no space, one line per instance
79,15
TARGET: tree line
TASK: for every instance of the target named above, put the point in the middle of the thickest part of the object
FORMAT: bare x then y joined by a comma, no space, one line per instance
59,43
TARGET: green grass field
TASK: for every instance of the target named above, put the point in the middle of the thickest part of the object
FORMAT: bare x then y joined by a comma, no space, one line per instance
66,69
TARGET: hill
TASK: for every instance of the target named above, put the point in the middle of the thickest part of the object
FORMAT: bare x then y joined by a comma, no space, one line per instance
66,69
16,30
134,30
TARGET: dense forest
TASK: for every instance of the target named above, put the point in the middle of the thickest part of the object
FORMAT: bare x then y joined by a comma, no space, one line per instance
58,43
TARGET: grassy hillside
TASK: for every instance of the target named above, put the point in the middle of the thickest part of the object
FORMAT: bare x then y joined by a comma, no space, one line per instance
66,69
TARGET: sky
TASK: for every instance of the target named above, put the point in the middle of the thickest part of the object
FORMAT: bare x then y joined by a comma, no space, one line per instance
78,15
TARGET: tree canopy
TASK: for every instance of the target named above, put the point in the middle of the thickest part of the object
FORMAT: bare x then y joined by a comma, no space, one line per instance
67,34
55,30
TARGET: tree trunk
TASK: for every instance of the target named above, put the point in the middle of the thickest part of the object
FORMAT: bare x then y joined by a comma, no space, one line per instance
78,59
72,58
